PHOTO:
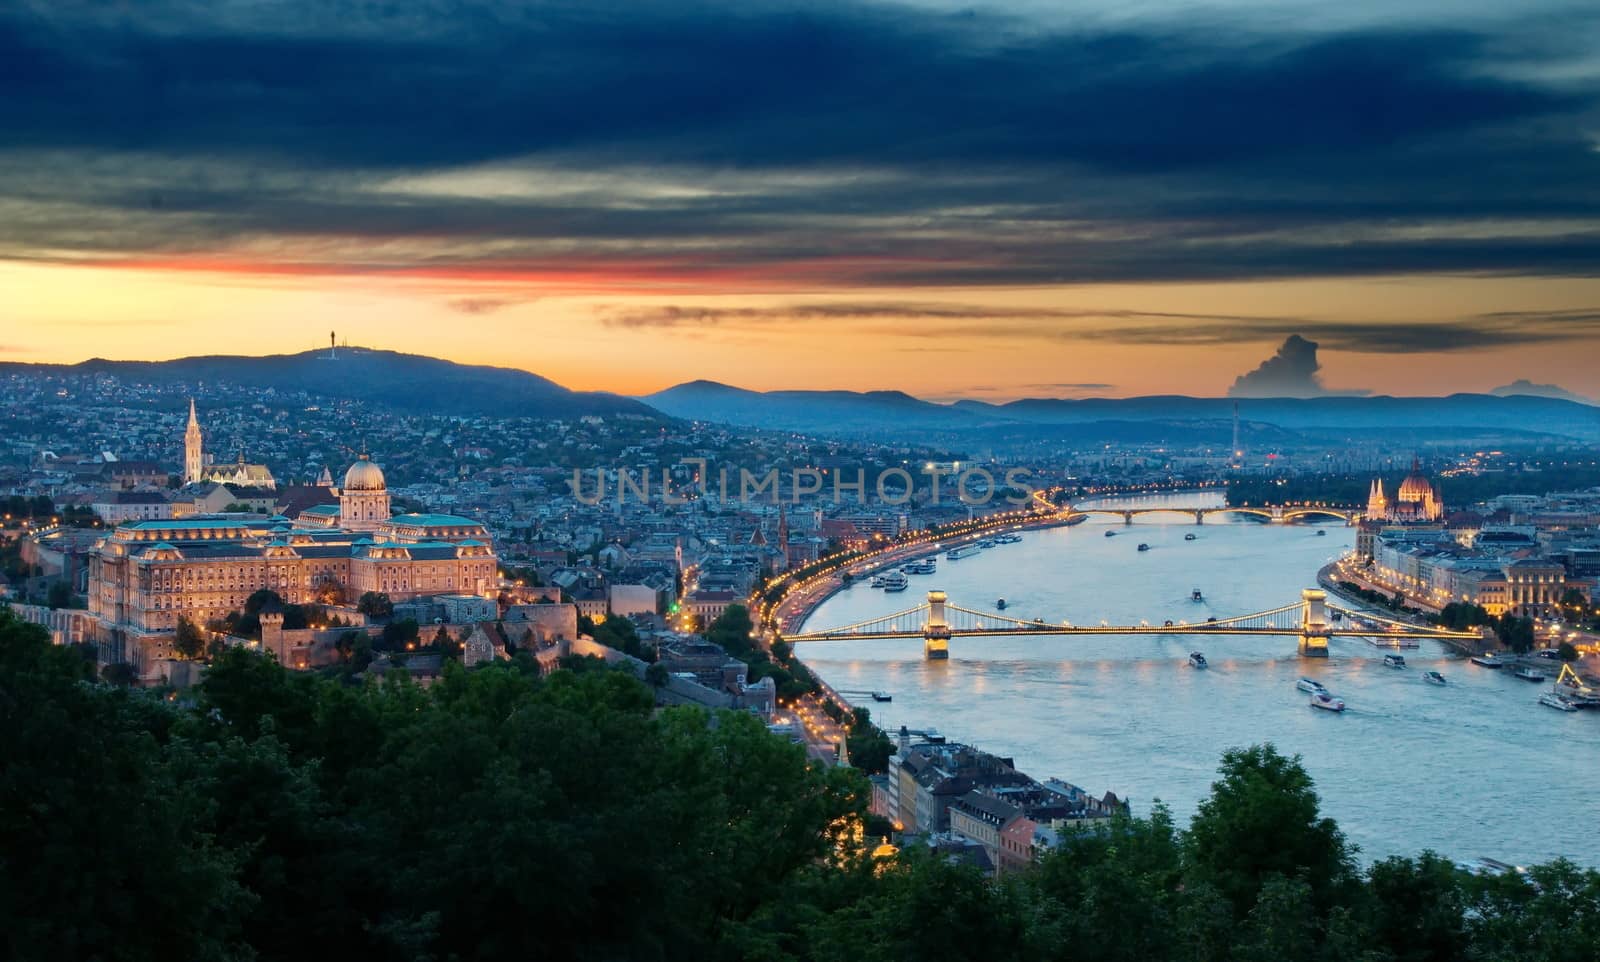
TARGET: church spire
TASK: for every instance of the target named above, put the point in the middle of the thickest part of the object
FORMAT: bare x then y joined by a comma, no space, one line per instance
194,459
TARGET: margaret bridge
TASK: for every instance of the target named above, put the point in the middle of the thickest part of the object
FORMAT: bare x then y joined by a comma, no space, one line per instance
1276,513
1311,619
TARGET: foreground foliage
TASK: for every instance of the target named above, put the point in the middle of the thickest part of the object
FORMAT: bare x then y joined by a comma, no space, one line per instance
498,815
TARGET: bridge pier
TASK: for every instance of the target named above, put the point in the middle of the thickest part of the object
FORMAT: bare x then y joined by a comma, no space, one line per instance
1314,625
936,632
1313,646
1127,517
1199,517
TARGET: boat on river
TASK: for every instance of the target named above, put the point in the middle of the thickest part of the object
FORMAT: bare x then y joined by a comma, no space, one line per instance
895,581
1529,674
1198,660
1394,661
1327,702
1433,678
1111,534
1555,701
1195,595
1143,546
965,551
1487,661
1310,685
1190,536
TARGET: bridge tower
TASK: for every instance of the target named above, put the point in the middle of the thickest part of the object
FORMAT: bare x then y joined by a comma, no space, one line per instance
936,632
1314,627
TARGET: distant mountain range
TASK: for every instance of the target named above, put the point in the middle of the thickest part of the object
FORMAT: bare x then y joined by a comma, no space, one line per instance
408,383
416,384
891,413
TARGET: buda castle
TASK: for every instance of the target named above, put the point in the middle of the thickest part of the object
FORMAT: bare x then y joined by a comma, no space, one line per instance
147,574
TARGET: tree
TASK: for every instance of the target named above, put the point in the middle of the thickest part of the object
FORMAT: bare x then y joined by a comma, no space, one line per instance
59,594
396,634
188,642
1515,633
1416,909
732,630
375,604
1566,652
1262,819
95,816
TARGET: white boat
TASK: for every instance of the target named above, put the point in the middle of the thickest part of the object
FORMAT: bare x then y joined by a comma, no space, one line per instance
1394,661
1529,674
1326,702
877,581
895,581
1433,678
965,551
1198,660
1308,685
1486,661
1557,702
1195,595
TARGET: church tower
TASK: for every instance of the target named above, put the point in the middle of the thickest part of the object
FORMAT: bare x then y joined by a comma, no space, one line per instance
194,459
1377,503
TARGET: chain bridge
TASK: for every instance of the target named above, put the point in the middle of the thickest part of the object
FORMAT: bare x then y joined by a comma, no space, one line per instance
1312,620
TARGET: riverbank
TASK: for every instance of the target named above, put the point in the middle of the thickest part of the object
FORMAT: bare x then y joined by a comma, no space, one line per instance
797,606
1329,578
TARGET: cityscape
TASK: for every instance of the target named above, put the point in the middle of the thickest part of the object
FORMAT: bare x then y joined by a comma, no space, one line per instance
504,481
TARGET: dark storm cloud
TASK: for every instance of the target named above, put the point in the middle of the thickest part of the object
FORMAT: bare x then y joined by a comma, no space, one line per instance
936,149
1156,328
1292,372
675,316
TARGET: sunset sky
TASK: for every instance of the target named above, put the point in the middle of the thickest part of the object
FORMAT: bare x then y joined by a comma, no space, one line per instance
956,200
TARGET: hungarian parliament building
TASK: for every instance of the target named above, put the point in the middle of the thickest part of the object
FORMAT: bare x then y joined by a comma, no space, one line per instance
148,574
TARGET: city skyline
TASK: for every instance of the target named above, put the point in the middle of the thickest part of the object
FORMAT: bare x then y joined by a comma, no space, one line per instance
999,202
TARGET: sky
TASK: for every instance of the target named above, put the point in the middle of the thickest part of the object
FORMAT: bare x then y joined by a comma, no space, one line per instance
1029,199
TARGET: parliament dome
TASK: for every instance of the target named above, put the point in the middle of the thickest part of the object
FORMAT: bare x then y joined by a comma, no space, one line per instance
364,476
1416,486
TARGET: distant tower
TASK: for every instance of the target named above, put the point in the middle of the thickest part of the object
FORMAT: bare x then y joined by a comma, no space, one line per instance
194,459
1238,452
1377,503
333,350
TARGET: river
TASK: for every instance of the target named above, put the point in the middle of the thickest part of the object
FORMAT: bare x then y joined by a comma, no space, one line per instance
1474,768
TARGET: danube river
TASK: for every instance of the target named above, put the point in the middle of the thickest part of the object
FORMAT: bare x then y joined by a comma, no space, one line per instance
1475,768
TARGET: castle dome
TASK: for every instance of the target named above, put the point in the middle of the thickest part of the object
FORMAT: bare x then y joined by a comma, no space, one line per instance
364,476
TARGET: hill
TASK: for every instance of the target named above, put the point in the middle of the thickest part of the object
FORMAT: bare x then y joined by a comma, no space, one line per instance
406,383
811,412
892,413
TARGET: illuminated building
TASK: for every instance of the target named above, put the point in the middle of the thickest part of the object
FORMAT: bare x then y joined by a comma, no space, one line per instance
146,575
